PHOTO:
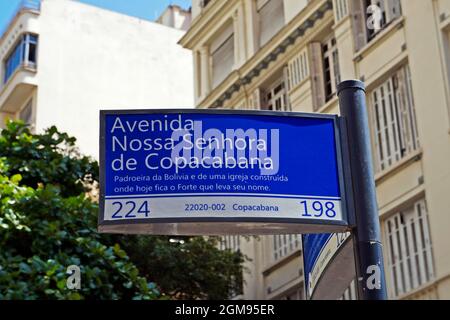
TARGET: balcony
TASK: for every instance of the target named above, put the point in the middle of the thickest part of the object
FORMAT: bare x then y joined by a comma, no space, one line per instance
18,89
18,58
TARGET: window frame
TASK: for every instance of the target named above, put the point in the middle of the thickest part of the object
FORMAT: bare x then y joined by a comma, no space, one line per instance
387,17
276,96
284,245
298,69
223,41
260,8
409,248
230,242
330,55
19,55
393,121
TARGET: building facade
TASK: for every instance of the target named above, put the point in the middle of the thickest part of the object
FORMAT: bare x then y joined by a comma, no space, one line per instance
176,17
62,61
289,55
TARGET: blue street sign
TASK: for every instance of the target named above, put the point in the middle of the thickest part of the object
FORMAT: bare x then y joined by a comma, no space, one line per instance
319,251
179,171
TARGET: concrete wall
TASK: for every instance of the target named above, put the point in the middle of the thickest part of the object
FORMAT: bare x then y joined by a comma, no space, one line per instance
91,59
292,8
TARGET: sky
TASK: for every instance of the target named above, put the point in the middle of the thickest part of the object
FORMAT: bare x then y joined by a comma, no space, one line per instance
145,9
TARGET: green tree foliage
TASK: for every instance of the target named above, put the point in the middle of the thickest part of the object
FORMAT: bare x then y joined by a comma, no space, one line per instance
49,158
47,223
188,267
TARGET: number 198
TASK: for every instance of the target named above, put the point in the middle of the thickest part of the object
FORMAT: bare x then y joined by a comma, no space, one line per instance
317,209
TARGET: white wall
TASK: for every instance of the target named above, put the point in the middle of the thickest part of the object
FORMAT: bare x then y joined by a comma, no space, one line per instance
175,17
196,9
292,8
91,59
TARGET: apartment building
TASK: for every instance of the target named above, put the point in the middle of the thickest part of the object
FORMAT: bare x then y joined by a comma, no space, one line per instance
62,61
176,17
289,55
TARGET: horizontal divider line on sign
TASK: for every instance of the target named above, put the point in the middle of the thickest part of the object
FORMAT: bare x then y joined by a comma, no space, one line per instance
222,195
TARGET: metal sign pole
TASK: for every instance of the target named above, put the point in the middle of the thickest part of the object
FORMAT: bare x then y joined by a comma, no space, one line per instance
371,282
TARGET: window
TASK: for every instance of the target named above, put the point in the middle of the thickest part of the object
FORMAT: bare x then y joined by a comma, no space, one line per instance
232,243
255,100
297,69
285,244
410,258
389,10
366,25
276,98
350,293
26,113
325,72
222,55
270,17
393,120
340,9
331,72
273,94
23,54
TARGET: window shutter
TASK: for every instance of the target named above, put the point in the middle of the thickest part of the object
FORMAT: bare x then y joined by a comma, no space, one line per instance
287,103
271,19
223,61
407,113
251,102
399,83
264,103
289,75
257,100
358,23
411,107
317,79
222,55
221,37
409,248
298,69
394,120
388,136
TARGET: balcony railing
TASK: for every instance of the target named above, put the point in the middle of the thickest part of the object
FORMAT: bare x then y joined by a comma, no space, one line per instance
23,5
